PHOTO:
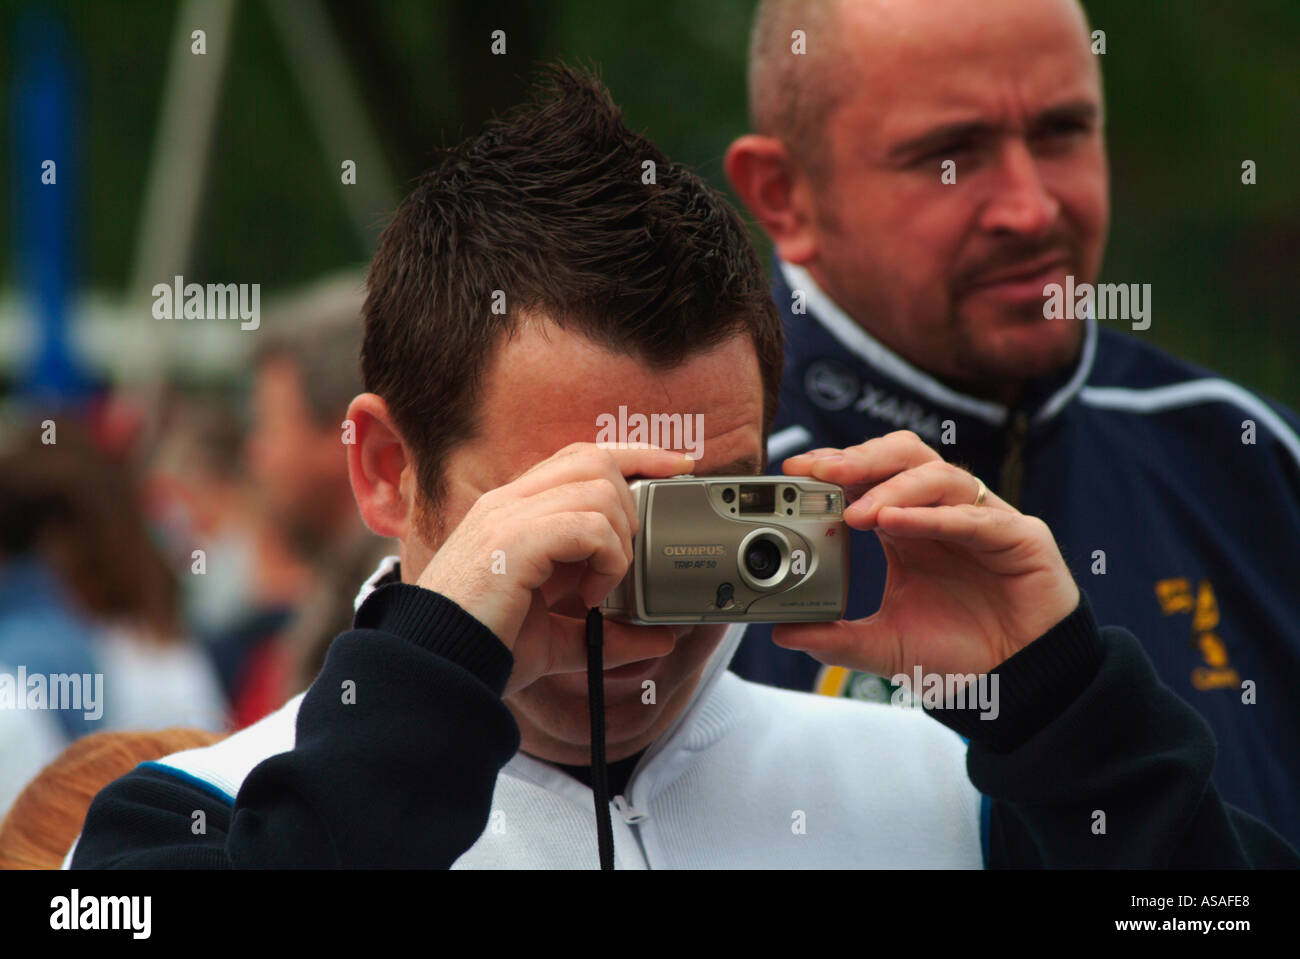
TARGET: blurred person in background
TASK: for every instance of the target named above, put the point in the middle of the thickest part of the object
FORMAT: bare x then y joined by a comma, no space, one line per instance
306,373
201,497
916,300
85,591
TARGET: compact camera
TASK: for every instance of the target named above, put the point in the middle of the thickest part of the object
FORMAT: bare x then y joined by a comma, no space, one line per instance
735,549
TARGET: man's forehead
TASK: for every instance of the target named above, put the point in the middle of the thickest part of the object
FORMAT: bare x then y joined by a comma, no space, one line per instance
954,27
940,62
548,387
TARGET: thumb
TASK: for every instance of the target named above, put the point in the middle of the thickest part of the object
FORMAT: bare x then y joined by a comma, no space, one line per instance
864,644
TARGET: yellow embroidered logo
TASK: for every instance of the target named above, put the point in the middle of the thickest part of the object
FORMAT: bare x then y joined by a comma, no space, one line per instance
838,682
1175,596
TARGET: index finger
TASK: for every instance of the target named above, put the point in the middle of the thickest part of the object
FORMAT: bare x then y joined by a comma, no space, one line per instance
858,468
587,461
650,461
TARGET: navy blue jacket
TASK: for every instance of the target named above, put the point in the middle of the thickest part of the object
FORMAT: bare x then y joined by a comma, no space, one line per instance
1178,526
403,776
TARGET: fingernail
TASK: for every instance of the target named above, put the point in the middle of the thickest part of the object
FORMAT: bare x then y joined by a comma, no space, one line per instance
864,504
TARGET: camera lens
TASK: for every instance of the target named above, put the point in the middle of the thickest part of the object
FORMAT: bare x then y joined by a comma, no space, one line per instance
762,559
788,494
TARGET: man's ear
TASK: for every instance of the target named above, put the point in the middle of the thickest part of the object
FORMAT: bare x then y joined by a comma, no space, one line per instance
380,468
767,179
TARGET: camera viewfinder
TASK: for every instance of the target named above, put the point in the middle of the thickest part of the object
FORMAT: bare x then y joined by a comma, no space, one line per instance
757,498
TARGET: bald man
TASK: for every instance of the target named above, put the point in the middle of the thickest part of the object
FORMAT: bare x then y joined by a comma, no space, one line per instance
933,176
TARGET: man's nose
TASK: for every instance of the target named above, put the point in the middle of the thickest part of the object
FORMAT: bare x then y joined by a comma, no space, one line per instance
1020,202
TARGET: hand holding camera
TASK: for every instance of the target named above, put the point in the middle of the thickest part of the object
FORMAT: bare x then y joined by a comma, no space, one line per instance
968,585
564,527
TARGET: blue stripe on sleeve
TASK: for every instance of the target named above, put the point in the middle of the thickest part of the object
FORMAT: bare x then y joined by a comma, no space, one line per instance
195,781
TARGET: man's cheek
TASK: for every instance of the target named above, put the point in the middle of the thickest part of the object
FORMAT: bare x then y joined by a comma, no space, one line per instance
1084,193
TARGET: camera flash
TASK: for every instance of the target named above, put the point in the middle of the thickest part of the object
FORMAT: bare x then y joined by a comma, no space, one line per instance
821,504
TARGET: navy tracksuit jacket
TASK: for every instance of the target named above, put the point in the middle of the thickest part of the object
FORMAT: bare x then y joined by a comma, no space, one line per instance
1174,496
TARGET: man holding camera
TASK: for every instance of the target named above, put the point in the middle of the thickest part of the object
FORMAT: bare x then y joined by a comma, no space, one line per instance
930,172
450,725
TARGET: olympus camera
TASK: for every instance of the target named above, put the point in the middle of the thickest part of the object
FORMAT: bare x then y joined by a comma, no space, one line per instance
733,549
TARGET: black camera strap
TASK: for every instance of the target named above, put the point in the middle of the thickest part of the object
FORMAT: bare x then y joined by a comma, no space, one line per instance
596,700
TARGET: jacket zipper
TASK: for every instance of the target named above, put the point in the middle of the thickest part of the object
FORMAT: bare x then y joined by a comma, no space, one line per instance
633,818
1012,473
630,815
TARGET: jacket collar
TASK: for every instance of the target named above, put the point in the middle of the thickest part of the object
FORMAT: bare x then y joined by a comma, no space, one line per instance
707,717
1044,398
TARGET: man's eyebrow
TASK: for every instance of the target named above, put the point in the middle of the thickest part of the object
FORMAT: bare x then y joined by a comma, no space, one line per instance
953,133
944,135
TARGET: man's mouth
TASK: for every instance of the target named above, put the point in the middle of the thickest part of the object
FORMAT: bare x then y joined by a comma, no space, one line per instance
642,668
1020,283
633,671
618,639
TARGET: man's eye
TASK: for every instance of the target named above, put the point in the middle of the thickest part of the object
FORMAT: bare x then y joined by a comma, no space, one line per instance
1065,128
948,152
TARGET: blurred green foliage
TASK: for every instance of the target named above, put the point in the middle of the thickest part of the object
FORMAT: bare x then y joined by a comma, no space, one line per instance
1194,87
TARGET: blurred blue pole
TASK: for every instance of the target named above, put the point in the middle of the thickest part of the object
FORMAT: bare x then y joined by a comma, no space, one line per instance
42,110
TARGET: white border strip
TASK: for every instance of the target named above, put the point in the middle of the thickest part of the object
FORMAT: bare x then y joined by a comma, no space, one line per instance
866,347
1068,391
1161,398
781,444
386,565
226,763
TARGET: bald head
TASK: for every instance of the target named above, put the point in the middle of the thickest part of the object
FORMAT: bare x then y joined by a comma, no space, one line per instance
806,57
797,73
